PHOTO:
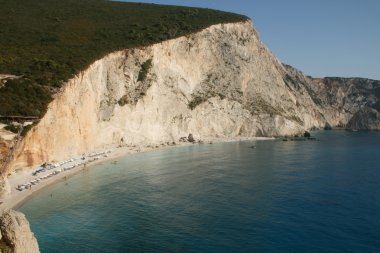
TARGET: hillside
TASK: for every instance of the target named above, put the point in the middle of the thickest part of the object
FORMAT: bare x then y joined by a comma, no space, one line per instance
43,43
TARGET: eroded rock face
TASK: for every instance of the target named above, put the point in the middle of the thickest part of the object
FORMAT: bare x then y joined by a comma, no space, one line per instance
220,82
5,188
343,102
7,141
344,98
365,119
16,236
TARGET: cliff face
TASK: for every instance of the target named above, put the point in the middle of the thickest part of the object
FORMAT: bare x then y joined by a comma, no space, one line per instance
357,100
16,236
221,82
352,103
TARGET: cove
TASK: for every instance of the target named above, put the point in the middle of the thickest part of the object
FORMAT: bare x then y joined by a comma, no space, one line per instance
307,196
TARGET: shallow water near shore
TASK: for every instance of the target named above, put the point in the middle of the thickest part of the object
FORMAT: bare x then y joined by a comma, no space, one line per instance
309,196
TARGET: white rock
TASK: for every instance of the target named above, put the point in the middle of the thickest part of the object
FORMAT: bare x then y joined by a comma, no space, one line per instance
16,236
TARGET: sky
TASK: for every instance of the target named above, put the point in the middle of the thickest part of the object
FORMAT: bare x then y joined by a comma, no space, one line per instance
320,37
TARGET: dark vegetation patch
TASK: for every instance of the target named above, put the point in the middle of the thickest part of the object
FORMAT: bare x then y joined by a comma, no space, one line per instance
212,87
201,98
145,67
123,100
47,42
135,92
260,106
23,97
197,100
12,128
26,129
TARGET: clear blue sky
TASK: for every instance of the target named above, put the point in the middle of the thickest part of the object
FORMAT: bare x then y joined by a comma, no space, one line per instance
319,37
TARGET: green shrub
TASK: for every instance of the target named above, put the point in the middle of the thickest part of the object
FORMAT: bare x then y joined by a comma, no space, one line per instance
12,128
196,101
26,129
23,98
123,100
145,67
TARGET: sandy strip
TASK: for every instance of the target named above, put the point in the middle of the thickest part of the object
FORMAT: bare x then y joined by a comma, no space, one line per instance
17,198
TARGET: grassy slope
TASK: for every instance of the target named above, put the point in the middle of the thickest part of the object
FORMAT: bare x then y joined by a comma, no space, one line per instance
49,41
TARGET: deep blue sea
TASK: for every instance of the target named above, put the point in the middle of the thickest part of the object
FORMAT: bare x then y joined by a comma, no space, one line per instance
312,196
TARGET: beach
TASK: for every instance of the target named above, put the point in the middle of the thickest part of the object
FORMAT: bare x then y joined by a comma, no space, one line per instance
225,197
17,197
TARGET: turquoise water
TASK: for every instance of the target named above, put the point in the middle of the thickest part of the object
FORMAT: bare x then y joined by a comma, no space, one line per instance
313,196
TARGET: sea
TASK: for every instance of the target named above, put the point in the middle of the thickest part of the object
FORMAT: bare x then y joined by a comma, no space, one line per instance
270,196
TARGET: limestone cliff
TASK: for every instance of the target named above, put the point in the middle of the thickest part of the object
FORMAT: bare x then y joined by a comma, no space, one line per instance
220,82
355,101
16,236
344,102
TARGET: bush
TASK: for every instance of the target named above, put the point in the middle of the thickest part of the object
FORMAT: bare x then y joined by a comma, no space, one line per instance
145,67
26,129
196,101
12,128
123,101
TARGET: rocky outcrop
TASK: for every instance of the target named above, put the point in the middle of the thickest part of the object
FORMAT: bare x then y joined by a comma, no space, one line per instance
5,188
7,140
190,138
16,236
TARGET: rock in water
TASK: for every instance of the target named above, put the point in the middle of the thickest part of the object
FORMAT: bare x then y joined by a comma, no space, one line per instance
190,138
327,127
16,236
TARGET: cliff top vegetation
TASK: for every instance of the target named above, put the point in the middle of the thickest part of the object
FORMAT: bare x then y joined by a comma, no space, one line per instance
47,42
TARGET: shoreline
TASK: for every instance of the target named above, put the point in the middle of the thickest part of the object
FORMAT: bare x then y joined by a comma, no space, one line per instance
17,198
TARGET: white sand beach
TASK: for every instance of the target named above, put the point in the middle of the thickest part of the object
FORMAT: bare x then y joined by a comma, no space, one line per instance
17,197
